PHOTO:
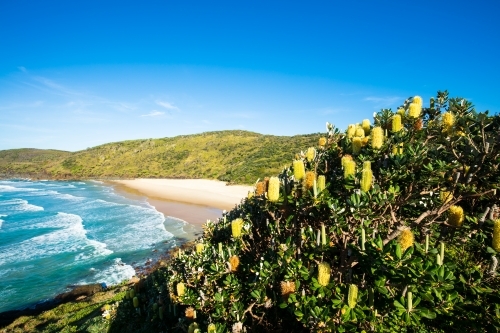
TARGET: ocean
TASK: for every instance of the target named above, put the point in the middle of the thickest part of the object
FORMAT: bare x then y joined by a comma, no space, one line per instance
56,234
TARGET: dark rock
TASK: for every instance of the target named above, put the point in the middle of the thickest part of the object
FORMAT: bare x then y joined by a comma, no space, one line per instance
77,291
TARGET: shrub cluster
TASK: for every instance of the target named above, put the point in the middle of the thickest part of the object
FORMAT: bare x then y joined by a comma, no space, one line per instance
386,227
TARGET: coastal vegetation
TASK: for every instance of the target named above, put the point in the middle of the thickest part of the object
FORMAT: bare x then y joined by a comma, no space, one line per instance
389,226
231,156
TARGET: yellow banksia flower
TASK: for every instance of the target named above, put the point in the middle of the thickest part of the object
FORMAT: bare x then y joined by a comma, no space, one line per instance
299,170
366,126
309,180
273,192
250,194
321,183
445,196
418,100
189,313
236,226
396,123
414,110
377,137
401,112
287,288
260,188
310,154
349,168
324,272
212,328
352,296
351,131
322,142
234,262
367,165
199,247
364,141
406,239
181,289
448,122
496,235
344,159
366,180
360,132
456,216
356,145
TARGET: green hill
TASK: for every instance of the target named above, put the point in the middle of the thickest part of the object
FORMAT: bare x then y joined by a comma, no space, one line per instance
233,156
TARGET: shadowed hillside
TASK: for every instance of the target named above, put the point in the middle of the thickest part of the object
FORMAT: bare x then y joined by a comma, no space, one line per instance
233,156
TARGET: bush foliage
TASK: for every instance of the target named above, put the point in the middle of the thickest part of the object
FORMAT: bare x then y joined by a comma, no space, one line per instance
387,227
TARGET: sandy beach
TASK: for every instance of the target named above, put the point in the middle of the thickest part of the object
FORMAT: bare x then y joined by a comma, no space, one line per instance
192,200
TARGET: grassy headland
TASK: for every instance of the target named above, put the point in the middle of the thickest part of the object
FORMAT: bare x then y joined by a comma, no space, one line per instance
233,156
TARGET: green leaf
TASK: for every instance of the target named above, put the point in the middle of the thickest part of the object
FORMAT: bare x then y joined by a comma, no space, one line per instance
398,251
298,314
399,305
426,313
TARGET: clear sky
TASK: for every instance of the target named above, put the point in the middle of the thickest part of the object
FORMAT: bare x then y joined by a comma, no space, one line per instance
76,74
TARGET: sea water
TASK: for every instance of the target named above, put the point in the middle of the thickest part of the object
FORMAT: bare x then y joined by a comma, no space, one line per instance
56,234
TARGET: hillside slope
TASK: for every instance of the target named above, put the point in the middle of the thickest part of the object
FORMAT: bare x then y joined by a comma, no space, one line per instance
234,156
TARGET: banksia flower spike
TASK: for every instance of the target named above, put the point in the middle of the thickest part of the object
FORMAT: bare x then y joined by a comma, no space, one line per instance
324,272
199,247
211,328
377,137
364,141
406,239
367,165
349,168
181,289
360,132
309,180
448,122
366,126
366,180
414,110
260,188
456,216
496,235
401,112
396,123
299,170
310,154
322,142
357,143
234,262
344,159
136,302
351,131
445,196
273,192
287,288
352,296
190,313
418,100
236,226
432,103
321,183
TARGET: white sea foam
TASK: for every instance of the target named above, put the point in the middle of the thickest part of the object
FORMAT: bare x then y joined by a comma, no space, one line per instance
111,275
19,205
8,188
70,237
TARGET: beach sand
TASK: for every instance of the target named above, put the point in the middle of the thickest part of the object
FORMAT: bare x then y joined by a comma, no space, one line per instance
192,200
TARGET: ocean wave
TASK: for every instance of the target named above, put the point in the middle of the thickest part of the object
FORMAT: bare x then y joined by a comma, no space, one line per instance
8,188
114,274
19,205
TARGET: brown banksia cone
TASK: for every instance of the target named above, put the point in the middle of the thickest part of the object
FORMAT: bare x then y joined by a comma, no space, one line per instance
419,124
260,188
309,180
287,288
234,262
190,313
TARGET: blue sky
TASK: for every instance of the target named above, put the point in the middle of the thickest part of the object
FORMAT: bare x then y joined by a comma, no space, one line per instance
76,74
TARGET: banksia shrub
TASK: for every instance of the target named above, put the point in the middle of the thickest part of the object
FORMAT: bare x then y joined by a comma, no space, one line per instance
199,247
406,239
236,226
287,288
349,168
321,183
396,123
356,145
456,216
234,262
299,170
352,296
324,272
496,235
273,193
366,126
366,180
377,137
309,181
181,289
322,142
414,110
310,154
